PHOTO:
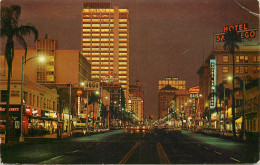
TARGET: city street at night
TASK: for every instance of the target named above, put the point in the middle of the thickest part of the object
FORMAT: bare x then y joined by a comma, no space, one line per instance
132,147
129,82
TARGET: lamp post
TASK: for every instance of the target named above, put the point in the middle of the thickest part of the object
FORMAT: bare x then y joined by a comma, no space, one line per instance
41,59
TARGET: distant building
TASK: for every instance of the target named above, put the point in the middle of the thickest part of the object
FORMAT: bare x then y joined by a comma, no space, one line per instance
137,100
172,81
105,41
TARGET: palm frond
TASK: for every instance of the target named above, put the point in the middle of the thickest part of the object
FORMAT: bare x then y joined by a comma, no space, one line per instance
22,42
28,29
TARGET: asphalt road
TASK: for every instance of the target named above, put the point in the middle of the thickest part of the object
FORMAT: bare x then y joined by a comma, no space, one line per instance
132,147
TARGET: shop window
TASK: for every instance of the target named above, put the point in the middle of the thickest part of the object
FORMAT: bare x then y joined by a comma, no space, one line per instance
4,96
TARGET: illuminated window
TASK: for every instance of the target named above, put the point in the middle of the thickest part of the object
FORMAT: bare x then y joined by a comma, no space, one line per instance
225,58
122,39
86,25
122,44
122,63
256,58
256,69
104,34
86,39
86,49
242,59
122,49
95,30
122,35
242,69
122,68
95,63
86,30
225,69
122,54
95,25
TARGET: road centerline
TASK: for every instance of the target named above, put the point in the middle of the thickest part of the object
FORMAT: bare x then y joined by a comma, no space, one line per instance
129,154
162,155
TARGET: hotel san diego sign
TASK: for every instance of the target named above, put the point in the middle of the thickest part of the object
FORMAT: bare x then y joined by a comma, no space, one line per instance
241,29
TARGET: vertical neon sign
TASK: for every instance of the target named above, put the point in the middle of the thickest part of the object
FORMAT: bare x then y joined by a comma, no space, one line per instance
213,82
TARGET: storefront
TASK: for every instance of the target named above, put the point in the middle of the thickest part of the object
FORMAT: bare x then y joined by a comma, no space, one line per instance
14,118
50,121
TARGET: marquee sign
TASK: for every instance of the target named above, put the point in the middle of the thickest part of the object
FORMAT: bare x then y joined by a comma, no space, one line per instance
242,30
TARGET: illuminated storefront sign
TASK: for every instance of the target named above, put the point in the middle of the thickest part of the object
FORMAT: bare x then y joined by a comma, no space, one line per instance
242,30
110,78
91,85
11,109
213,82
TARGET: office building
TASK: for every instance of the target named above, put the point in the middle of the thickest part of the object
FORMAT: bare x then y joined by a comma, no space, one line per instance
105,41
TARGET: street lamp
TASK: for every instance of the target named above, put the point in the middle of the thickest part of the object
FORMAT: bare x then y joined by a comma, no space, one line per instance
41,59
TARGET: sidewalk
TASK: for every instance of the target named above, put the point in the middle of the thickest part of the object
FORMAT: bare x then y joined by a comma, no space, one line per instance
51,136
42,138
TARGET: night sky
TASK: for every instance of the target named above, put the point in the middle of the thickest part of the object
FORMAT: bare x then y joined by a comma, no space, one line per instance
167,37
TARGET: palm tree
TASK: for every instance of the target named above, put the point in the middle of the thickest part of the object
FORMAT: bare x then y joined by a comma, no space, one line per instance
10,29
92,100
231,38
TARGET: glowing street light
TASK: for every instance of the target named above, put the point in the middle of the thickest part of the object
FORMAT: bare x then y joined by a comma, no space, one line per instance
40,59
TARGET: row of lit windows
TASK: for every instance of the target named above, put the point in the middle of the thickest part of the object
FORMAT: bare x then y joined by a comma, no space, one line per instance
99,54
98,39
103,58
98,34
102,63
98,25
98,20
241,69
98,49
241,58
97,30
100,44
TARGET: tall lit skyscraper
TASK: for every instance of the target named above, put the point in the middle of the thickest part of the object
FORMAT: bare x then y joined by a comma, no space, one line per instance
105,41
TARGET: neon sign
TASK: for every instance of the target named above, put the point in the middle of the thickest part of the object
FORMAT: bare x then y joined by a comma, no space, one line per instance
213,83
242,30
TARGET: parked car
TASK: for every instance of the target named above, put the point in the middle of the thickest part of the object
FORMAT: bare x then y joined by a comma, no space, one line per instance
79,131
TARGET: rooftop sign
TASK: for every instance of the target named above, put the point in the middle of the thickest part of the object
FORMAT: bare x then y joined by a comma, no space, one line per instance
242,30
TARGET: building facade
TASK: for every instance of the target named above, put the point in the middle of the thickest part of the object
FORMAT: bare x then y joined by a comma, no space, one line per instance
137,100
39,110
105,41
217,68
172,81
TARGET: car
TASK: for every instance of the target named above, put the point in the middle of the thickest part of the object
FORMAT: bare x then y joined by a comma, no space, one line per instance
2,134
79,131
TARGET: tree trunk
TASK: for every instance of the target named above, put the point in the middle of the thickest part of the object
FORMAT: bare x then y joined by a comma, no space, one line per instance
233,98
8,103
